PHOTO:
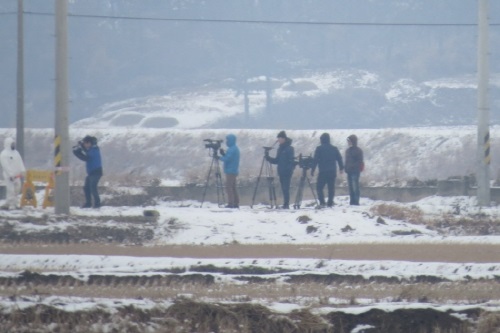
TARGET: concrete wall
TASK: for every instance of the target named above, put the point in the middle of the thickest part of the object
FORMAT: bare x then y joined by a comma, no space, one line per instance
399,194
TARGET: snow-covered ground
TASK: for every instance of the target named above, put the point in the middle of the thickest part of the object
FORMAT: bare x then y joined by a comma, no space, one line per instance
189,223
186,223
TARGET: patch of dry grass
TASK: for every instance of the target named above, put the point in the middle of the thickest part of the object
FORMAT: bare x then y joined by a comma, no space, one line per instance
411,214
489,322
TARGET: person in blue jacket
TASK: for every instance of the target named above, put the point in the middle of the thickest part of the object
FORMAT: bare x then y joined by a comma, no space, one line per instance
285,160
88,151
231,159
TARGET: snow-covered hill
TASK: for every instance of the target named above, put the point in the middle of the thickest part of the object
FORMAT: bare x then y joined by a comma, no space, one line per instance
334,99
135,155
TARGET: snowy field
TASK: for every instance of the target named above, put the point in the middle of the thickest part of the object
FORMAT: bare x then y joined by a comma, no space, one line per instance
186,223
189,223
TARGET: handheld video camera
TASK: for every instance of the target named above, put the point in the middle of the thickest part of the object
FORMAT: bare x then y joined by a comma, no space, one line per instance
78,145
305,162
88,138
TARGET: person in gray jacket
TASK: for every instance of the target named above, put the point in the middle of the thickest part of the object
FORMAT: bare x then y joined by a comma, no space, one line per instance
354,165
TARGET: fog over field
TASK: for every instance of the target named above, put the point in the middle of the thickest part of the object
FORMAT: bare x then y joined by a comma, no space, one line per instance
303,65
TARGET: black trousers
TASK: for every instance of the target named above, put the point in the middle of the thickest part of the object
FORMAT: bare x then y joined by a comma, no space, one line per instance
285,180
326,178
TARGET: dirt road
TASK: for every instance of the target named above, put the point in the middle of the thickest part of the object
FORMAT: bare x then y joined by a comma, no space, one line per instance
459,253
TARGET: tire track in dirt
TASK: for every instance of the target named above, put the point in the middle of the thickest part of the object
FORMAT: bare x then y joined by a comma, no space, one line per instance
453,253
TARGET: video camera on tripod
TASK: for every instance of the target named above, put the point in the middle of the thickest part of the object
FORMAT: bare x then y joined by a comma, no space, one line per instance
214,145
268,170
305,163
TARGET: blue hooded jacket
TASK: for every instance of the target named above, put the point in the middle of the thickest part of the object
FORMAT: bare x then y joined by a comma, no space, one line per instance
232,157
94,164
91,157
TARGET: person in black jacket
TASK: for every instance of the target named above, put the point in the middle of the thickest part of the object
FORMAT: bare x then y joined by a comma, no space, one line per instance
285,161
326,158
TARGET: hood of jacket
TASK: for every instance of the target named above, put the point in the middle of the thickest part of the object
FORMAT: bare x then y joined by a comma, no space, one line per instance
7,144
288,142
324,138
353,139
231,140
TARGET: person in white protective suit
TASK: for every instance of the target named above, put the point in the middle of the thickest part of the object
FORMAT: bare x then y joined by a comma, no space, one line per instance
13,170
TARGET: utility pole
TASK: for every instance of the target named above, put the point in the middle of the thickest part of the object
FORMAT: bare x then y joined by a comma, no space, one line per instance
269,94
61,142
483,131
20,79
246,102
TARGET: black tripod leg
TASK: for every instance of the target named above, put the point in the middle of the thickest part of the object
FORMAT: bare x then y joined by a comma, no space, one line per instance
312,191
257,184
270,184
206,182
219,184
274,200
300,191
271,191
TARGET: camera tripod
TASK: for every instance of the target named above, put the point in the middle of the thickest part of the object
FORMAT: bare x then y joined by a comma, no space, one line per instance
270,182
300,189
215,165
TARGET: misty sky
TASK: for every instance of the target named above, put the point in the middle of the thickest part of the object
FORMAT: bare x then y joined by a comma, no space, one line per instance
114,59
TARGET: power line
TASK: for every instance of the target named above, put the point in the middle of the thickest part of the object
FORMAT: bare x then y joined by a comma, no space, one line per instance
316,23
8,13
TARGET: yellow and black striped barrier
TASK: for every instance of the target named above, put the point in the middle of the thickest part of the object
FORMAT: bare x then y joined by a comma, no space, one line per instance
487,157
57,154
28,197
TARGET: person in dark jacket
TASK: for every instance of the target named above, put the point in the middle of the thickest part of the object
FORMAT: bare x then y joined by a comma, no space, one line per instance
326,158
354,164
285,161
88,151
231,159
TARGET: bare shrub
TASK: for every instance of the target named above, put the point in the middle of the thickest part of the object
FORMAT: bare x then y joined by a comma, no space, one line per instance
489,322
198,175
303,219
396,212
